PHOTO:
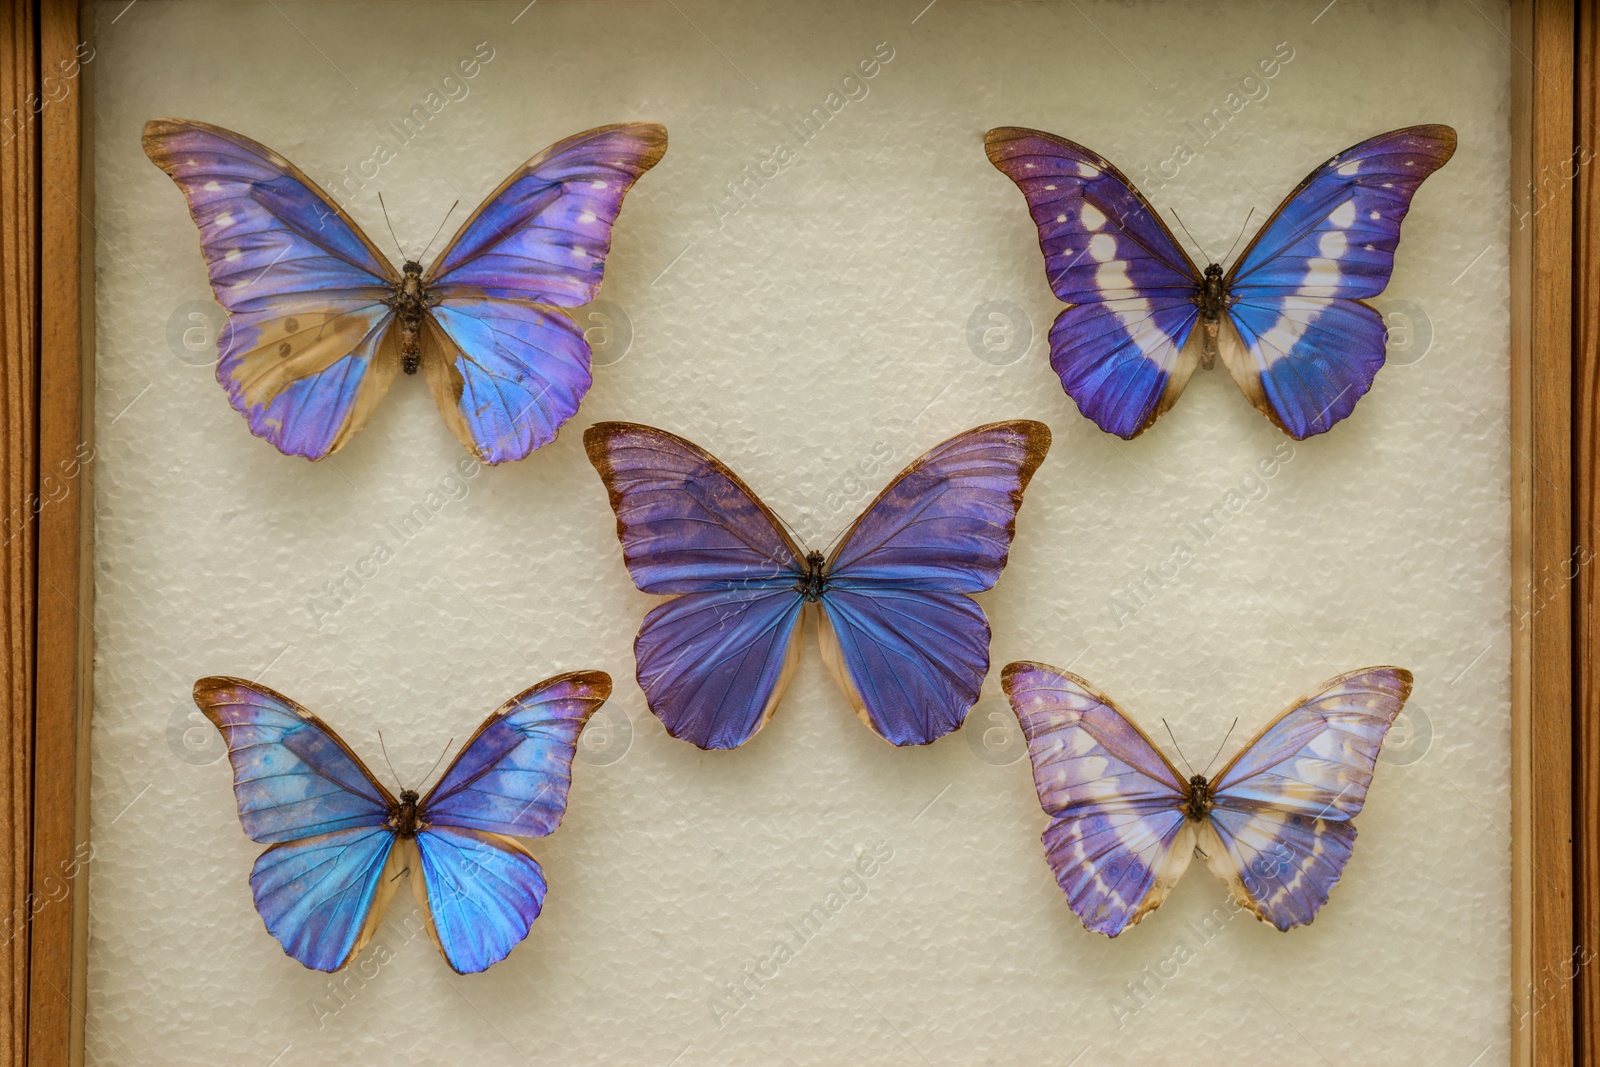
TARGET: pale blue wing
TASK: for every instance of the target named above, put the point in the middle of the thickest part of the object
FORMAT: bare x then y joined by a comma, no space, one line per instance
1119,837
1283,806
481,893
292,775
512,776
323,896
504,374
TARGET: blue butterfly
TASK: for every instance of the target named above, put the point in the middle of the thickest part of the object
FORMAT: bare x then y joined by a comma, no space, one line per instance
319,321
1301,342
340,840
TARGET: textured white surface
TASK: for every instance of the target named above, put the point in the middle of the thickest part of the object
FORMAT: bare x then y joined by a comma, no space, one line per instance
818,330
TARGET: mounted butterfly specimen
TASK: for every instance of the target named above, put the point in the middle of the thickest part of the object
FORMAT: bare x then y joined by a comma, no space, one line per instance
1288,318
319,321
340,840
900,634
1273,825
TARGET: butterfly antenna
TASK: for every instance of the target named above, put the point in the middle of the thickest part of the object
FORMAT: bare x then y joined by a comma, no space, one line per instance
393,238
440,230
1225,737
1178,747
1192,241
385,750
1242,228
436,762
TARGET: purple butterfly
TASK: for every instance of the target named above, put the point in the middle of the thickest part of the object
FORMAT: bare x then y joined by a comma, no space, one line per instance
1273,825
900,634
1288,318
340,841
319,321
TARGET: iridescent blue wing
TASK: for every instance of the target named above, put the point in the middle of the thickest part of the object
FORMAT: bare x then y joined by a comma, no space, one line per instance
505,366
307,355
1118,839
1311,347
1280,831
322,887
292,776
906,644
512,776
714,661
479,892
1119,351
323,897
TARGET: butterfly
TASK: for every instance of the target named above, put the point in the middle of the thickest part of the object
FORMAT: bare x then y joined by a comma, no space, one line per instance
1273,825
899,633
1288,318
319,321
340,840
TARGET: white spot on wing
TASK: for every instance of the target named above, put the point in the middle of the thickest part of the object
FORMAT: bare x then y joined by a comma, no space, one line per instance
1093,219
1350,168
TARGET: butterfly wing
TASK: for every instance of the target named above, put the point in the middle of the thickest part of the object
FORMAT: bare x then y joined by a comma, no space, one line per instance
1118,839
714,661
512,776
306,356
900,635
322,887
1311,347
1119,350
479,894
1280,833
506,366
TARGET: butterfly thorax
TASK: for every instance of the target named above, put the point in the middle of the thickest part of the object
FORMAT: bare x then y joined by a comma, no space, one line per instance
1213,301
814,582
1199,802
410,305
405,820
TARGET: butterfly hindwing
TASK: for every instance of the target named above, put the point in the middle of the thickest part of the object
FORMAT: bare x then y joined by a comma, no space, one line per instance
905,643
323,897
480,894
1118,839
1283,805
303,358
1120,350
1312,348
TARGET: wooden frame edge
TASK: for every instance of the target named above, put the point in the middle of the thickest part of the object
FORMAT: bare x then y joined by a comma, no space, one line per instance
46,390
1542,544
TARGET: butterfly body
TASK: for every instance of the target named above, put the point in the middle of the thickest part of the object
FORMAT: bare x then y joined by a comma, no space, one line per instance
410,311
339,840
1289,318
320,321
899,631
1274,825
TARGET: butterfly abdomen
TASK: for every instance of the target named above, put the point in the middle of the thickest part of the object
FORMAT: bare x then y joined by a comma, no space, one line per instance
410,308
1213,301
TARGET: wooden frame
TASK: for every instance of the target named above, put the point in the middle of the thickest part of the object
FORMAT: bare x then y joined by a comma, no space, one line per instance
46,458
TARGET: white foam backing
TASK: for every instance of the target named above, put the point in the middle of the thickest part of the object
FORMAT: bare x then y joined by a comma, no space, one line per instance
813,333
